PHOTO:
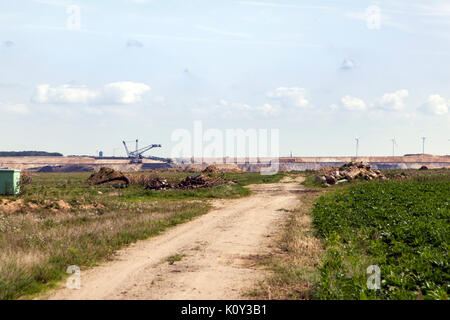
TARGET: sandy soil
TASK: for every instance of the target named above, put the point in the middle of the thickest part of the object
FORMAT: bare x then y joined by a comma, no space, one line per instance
218,253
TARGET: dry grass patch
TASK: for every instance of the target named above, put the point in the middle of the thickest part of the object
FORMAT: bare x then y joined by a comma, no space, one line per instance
36,248
293,267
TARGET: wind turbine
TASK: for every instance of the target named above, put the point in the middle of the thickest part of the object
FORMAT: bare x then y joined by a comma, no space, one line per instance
394,143
423,145
357,146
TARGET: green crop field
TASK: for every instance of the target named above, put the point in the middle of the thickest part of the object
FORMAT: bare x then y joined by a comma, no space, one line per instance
400,226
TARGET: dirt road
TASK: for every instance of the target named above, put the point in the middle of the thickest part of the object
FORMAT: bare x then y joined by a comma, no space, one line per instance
217,252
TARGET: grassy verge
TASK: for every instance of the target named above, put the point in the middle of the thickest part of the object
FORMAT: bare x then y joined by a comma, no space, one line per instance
400,226
62,221
294,266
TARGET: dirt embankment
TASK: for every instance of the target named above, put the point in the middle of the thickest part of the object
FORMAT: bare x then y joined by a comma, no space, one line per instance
211,257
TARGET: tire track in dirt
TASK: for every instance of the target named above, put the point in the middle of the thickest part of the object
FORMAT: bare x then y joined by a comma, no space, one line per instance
217,252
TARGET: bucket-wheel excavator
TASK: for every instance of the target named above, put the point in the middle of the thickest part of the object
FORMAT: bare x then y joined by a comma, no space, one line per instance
136,156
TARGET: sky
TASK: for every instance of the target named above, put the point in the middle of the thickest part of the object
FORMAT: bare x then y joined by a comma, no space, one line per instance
80,76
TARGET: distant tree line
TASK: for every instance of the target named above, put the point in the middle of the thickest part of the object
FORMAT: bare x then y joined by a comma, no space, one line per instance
29,154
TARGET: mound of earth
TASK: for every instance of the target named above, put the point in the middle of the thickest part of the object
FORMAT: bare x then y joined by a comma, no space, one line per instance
192,168
222,168
105,175
211,169
12,206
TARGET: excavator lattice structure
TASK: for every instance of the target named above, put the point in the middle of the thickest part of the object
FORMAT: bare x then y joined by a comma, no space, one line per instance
136,156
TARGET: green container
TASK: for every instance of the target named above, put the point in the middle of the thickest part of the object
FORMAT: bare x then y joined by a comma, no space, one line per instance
9,181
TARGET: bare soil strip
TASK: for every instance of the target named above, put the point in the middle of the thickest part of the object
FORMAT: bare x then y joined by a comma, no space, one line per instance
217,253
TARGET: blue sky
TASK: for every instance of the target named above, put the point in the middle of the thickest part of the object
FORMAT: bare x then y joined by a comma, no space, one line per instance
323,72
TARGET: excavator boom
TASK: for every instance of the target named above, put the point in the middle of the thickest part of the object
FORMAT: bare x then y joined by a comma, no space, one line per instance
137,155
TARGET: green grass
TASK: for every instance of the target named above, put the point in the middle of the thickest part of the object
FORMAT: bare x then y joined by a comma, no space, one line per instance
252,178
38,242
401,226
175,258
310,181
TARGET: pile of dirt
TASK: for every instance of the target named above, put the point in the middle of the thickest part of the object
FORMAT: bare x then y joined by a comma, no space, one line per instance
61,205
350,171
211,169
105,175
199,181
12,206
222,168
192,168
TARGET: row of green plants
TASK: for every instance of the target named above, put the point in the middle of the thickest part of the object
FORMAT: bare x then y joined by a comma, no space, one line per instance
400,226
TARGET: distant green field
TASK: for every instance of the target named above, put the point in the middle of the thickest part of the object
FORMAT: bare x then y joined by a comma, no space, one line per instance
401,226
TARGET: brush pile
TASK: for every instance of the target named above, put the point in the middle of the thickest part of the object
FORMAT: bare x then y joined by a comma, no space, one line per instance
149,182
350,171
199,181
190,182
158,184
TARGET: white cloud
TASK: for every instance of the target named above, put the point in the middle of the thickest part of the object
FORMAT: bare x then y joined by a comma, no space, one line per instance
44,93
385,20
435,105
20,109
290,97
268,110
352,103
240,106
134,43
349,64
392,101
125,92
